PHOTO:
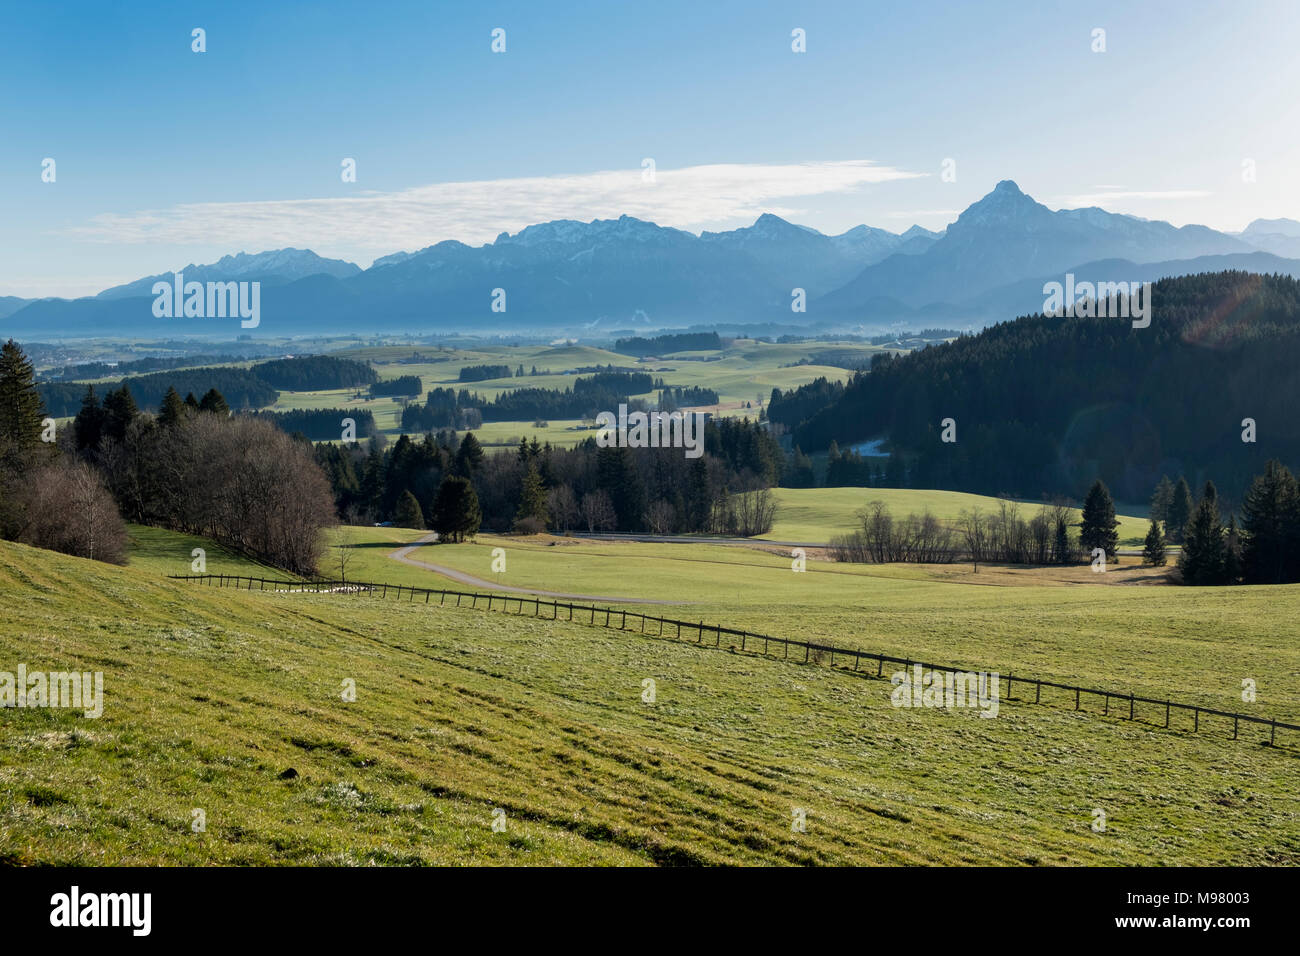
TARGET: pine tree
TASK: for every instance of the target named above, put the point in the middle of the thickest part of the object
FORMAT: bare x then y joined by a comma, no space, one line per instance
21,410
213,401
408,513
1163,497
1153,552
532,500
1061,544
1270,527
456,511
1179,511
372,481
88,426
172,411
616,474
468,456
1202,559
121,410
1099,522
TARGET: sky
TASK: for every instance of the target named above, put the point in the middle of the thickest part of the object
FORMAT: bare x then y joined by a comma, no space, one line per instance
165,156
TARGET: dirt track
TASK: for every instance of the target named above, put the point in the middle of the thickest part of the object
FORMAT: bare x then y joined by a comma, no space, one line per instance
403,555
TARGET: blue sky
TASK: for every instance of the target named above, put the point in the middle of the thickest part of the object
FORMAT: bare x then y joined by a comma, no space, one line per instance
165,156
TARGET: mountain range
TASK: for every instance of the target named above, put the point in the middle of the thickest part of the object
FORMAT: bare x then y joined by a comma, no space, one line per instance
622,273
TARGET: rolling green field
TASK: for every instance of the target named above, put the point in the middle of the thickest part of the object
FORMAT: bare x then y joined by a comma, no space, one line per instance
818,514
212,696
741,374
1123,630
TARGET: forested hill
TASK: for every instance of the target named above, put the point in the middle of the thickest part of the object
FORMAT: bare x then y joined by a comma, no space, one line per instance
1043,405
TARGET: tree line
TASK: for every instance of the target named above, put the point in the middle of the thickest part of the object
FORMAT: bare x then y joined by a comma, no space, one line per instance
672,342
243,388
192,467
1263,548
448,483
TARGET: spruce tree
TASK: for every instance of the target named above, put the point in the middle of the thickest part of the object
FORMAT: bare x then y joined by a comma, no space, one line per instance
120,410
1163,497
456,511
88,426
1153,552
213,401
21,410
1270,527
532,500
172,411
1061,544
1179,511
1099,522
468,456
1202,558
408,513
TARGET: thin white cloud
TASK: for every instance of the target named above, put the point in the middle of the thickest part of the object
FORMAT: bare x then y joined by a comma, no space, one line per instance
1105,199
694,197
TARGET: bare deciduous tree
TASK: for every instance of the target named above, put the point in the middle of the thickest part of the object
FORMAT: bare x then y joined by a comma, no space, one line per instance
598,511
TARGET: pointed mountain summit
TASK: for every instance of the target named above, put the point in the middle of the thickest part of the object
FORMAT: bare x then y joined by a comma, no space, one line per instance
1007,235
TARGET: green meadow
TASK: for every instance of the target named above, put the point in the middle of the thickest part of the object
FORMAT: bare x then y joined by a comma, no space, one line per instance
1123,630
232,703
818,514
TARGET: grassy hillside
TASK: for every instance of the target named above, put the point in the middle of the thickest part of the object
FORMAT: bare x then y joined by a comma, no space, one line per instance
817,514
212,696
170,552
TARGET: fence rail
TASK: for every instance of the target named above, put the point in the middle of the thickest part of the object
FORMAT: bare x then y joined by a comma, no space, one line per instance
812,652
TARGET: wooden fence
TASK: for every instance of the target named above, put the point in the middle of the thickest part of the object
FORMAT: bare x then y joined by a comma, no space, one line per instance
741,641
